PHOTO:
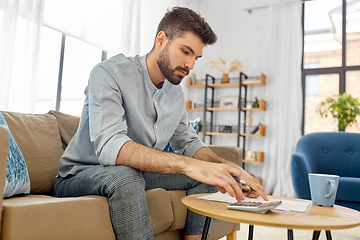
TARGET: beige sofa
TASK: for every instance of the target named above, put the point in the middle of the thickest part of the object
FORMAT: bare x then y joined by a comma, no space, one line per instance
42,139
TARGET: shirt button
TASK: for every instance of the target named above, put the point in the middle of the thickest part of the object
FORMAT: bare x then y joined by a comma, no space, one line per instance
156,127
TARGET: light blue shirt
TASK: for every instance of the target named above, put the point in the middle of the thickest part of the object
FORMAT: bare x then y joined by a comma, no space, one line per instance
122,104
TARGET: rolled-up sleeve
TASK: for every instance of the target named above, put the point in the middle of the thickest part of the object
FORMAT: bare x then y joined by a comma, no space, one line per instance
107,124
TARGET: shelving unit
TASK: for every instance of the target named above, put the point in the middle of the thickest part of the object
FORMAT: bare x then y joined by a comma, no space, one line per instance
243,83
210,108
189,102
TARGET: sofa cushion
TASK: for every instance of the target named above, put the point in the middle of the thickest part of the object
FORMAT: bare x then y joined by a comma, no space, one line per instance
68,125
39,141
160,209
173,235
44,217
73,214
179,209
231,153
17,175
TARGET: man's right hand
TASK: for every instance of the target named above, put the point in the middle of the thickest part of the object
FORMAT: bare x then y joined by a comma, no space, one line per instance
222,176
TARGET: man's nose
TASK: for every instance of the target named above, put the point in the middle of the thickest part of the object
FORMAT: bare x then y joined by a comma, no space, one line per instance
190,63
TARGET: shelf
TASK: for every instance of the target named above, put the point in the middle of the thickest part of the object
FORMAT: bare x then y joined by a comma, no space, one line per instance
198,85
260,133
194,109
258,161
224,85
218,134
262,107
222,109
257,82
189,107
260,81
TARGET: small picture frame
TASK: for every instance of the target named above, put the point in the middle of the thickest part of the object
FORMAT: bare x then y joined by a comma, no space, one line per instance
229,102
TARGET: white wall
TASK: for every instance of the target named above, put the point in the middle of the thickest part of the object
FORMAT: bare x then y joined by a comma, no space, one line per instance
240,35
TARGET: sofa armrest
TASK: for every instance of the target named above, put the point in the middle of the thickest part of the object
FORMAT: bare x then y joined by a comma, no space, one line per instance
348,189
301,166
4,148
233,154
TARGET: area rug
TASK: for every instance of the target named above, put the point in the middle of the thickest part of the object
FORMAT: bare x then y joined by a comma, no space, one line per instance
270,233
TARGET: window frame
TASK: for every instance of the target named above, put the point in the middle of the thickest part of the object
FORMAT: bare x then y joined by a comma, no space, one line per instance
61,67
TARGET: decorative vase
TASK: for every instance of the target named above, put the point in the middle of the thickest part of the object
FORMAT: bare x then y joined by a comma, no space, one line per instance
225,78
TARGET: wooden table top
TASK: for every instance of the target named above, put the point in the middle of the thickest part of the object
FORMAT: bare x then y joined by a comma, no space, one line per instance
315,218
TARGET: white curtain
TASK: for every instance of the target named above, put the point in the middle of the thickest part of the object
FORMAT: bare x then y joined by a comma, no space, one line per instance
283,95
126,26
20,22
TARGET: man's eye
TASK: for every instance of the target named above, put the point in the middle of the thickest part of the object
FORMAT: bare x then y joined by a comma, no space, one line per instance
185,52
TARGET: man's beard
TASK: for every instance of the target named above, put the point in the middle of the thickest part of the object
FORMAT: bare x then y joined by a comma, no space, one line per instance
163,62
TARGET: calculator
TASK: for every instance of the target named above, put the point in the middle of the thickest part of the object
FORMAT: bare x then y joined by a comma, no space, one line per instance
256,207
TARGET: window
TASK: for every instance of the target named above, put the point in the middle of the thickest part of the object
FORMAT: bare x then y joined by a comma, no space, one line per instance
353,88
65,61
79,59
63,76
331,58
49,58
323,34
327,87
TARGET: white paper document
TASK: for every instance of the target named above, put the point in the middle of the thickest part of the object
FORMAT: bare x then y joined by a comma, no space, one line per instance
287,205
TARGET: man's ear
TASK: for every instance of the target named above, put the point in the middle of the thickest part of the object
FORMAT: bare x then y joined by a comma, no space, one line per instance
161,39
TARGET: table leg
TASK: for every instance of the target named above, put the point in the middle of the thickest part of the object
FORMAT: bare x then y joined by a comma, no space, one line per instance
251,232
206,228
290,234
316,235
328,235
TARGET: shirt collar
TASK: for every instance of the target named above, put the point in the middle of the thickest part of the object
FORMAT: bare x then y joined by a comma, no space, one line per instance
146,74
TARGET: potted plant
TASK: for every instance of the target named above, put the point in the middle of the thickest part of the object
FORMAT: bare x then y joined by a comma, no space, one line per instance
220,64
342,107
256,104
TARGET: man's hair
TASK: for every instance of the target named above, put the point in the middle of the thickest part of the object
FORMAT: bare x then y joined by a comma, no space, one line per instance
181,20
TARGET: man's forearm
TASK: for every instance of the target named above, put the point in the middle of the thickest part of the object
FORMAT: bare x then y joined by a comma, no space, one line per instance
150,160
206,154
207,167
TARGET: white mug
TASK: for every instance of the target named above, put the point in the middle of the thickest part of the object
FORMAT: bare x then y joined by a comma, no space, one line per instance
323,188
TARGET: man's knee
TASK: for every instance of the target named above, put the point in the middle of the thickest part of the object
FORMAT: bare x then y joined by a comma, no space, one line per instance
125,181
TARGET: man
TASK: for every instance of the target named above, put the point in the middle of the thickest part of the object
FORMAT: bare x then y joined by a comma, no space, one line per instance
133,108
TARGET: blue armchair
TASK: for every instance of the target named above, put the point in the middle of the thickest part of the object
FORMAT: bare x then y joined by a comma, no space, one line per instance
335,153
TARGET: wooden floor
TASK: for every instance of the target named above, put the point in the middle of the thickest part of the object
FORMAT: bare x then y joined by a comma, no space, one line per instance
280,233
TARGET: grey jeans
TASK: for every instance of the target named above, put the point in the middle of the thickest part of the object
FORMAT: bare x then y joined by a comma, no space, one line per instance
125,187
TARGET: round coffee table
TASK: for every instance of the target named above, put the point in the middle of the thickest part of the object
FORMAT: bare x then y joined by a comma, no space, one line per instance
315,218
